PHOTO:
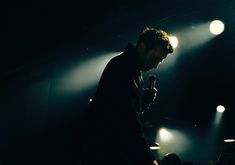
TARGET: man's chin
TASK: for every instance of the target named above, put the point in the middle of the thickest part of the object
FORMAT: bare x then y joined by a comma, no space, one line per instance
149,68
152,68
145,69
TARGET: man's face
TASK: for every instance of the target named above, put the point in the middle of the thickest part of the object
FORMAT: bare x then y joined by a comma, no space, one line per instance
152,58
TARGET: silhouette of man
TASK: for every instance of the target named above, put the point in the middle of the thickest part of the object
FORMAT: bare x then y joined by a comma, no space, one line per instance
114,134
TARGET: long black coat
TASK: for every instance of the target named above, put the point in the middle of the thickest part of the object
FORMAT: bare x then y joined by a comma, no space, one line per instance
113,134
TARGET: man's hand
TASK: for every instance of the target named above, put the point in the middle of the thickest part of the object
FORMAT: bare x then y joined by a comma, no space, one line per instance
155,162
149,95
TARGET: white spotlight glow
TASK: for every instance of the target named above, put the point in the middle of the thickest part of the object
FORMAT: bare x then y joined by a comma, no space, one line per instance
154,148
173,41
90,100
172,140
164,134
216,27
70,81
220,108
229,140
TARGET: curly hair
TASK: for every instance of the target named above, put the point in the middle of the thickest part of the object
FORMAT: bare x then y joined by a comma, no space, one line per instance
152,37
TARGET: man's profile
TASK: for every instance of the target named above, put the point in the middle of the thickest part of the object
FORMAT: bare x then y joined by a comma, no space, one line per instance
113,133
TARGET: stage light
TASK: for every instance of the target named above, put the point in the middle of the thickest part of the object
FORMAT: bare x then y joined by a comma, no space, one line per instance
74,79
154,148
190,40
164,134
229,140
90,100
216,27
173,41
172,140
218,115
220,108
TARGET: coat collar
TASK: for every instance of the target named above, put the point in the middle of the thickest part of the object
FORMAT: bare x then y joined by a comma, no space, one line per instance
132,54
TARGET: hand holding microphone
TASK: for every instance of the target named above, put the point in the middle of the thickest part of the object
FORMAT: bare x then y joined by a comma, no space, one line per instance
150,93
152,88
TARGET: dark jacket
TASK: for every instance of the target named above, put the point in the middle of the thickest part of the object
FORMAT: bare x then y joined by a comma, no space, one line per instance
114,134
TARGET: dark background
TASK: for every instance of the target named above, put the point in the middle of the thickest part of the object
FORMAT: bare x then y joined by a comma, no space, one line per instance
41,124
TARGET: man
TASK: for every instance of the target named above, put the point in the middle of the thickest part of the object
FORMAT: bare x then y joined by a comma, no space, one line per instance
114,134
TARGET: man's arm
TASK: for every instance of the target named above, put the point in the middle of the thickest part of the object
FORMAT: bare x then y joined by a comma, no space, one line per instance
116,88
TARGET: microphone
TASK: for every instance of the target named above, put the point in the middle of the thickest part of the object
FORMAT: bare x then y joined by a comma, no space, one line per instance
152,81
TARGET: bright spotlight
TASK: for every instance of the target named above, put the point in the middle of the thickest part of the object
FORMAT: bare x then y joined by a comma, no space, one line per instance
229,140
216,27
220,108
154,148
90,100
218,115
173,41
164,134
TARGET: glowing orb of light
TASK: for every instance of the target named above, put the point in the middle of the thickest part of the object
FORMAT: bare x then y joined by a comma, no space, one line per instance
216,27
173,41
220,108
164,134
